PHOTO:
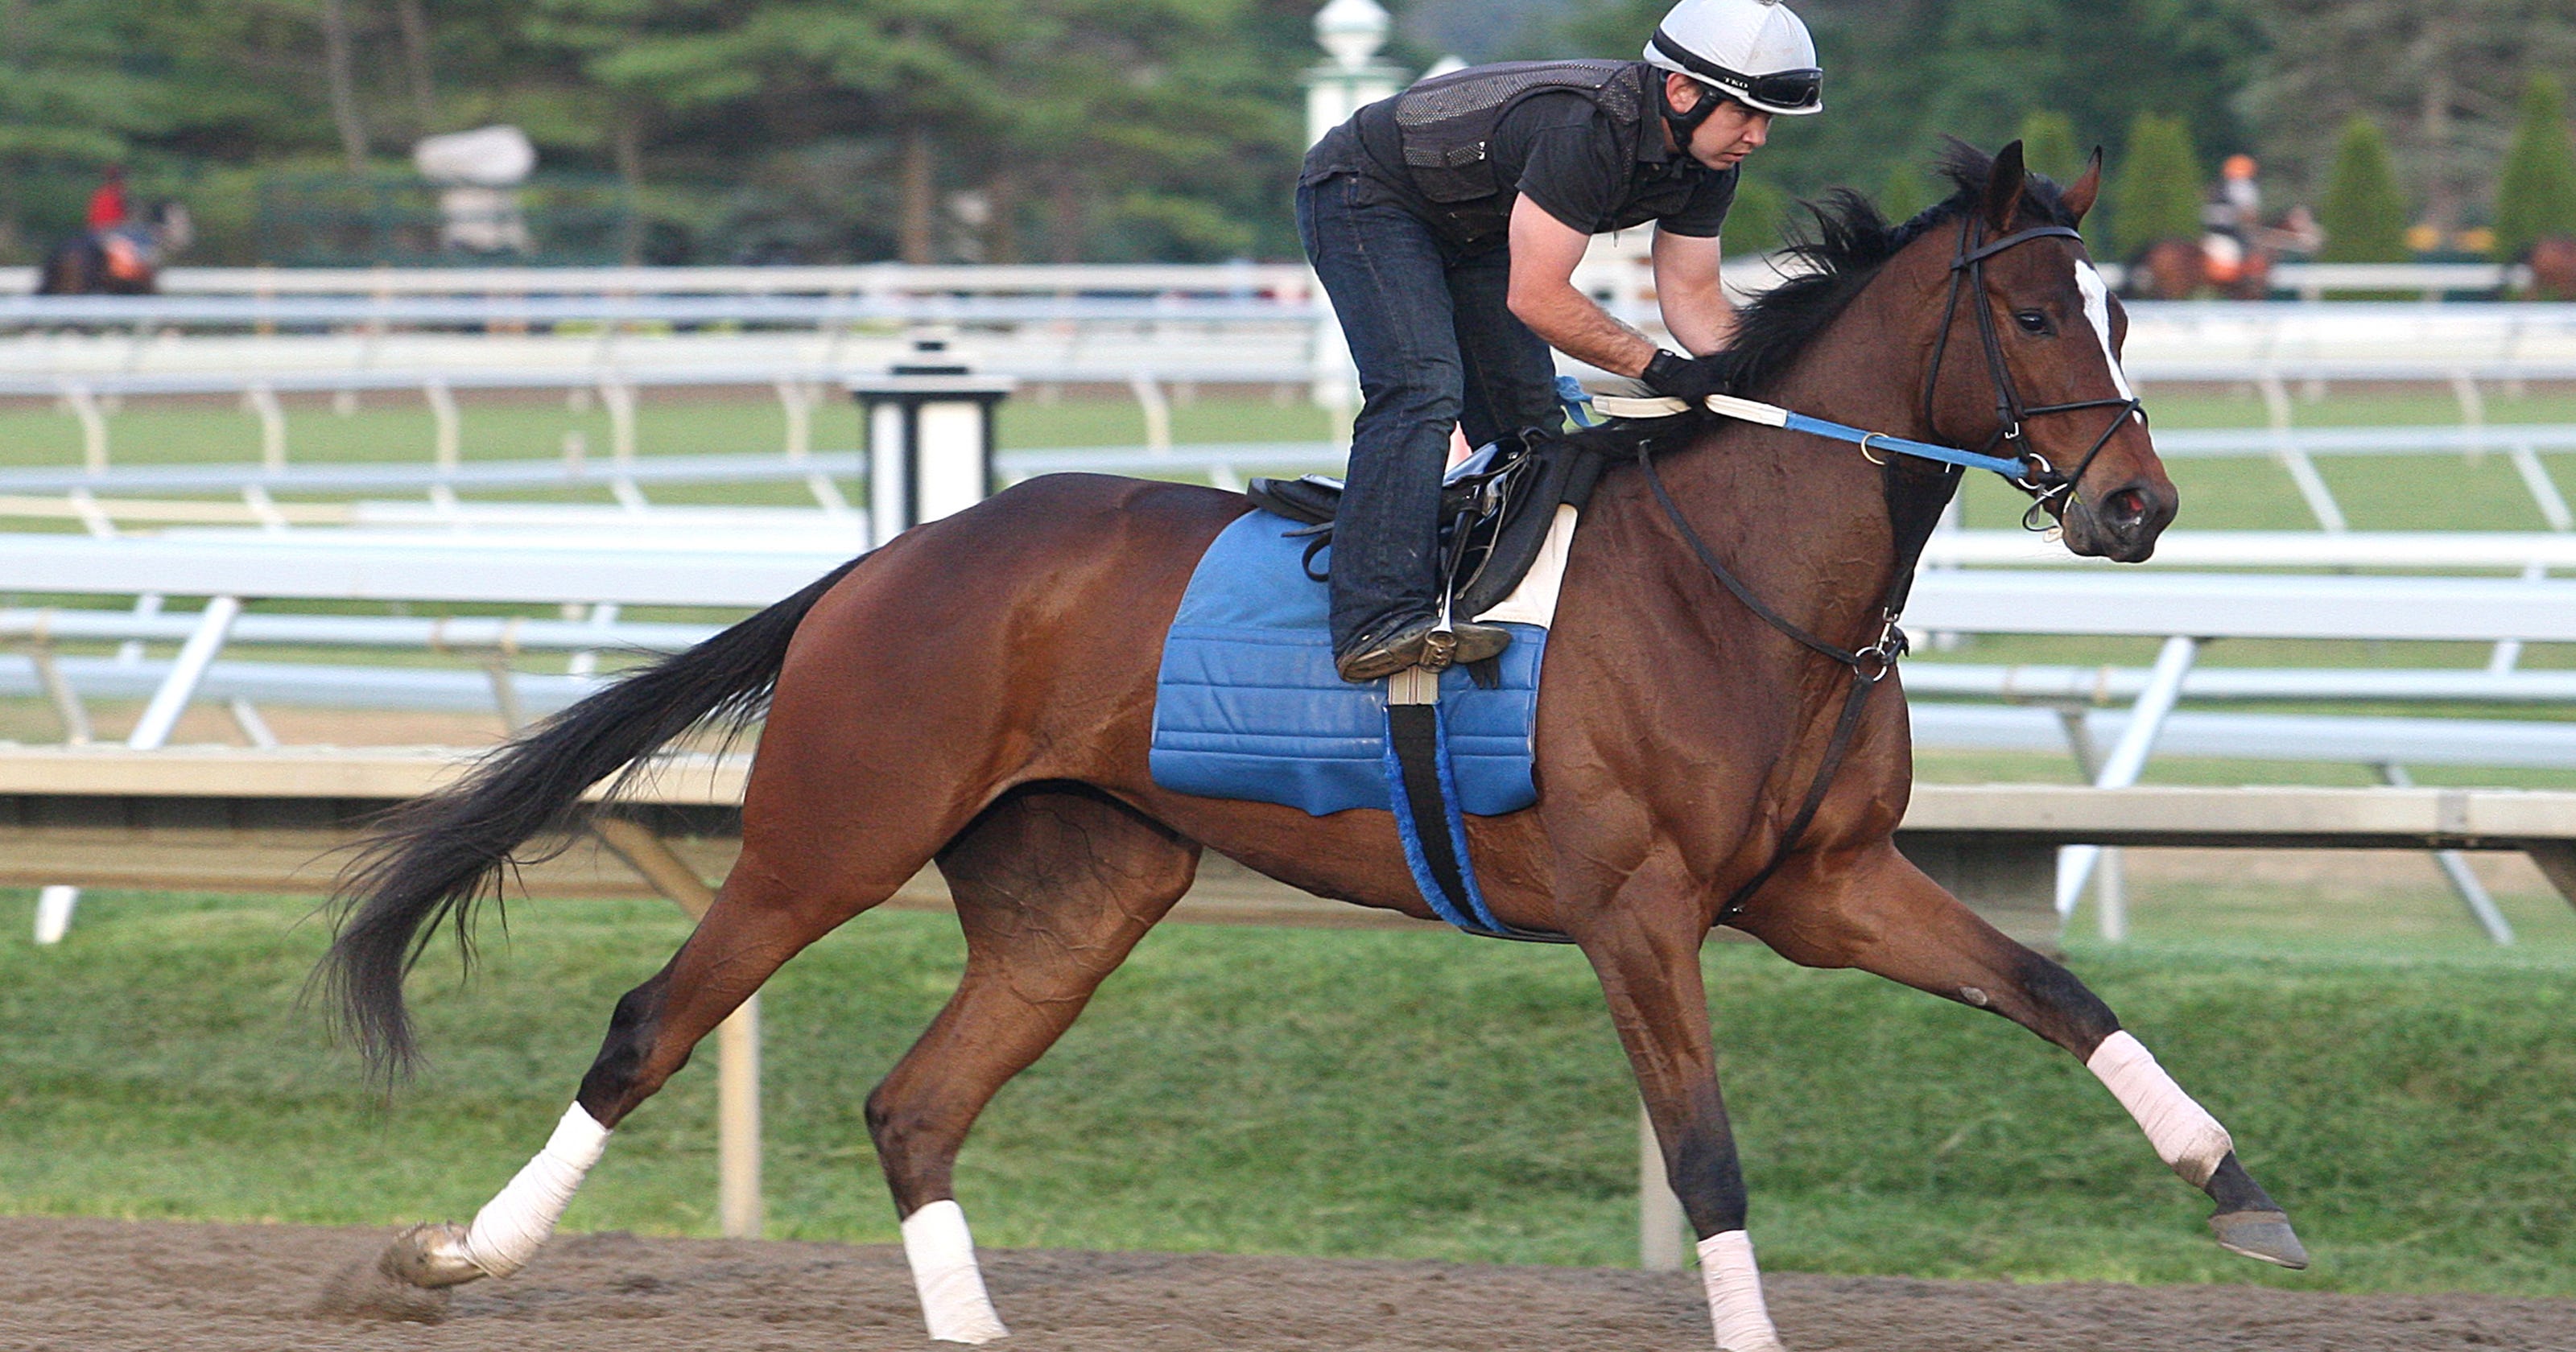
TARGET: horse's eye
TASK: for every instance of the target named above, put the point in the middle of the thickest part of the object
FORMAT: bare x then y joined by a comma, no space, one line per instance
2031,321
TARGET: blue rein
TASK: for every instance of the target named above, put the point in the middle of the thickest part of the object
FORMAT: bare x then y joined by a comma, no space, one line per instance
1578,404
1950,455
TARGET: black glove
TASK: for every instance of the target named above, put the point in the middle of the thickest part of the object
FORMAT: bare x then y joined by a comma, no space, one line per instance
1690,379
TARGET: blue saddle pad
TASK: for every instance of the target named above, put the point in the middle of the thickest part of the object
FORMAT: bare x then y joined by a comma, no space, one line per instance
1248,705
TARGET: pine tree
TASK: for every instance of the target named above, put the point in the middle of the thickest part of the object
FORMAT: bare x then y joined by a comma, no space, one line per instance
2157,194
2048,145
2537,194
2364,215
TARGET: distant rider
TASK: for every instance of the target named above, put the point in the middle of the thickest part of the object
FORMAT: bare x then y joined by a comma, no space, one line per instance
1446,223
2237,207
107,208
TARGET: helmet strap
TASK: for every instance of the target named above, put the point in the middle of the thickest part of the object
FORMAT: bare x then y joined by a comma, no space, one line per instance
1680,123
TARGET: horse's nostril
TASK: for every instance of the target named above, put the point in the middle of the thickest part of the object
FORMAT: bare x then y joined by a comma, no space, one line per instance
2128,505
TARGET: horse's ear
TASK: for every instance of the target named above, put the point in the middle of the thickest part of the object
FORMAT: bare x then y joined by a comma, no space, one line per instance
2080,195
2003,190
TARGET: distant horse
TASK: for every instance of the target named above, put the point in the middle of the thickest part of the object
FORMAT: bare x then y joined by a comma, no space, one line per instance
2552,260
980,692
2179,269
121,260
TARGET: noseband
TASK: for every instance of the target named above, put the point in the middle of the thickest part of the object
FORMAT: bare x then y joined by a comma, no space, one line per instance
2040,479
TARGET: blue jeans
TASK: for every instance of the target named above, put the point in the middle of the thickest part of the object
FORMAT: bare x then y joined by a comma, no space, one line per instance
1437,347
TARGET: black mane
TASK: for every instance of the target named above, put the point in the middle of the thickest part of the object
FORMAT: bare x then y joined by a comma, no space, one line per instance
1844,250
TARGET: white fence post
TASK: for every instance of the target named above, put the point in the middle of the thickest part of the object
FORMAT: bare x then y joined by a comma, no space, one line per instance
1659,1211
2075,862
54,903
738,1197
93,424
442,409
261,400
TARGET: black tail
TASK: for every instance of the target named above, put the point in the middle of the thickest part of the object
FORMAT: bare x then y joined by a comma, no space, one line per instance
435,858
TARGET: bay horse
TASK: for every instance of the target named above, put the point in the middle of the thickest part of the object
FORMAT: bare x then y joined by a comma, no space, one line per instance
2552,260
2179,269
120,260
980,692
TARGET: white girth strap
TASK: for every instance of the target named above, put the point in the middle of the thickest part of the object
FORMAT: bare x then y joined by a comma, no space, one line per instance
2185,1136
942,1254
507,1231
1735,1305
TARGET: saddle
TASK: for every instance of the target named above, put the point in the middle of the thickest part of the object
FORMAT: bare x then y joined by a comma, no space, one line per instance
1241,679
1495,511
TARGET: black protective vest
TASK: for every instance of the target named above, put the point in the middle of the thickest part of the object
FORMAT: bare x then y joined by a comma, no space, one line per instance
1448,123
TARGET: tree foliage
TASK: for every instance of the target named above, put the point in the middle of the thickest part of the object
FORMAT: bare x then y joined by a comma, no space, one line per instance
817,129
1112,129
1759,218
2536,196
2048,145
2438,76
1900,74
2364,215
2155,195
1905,191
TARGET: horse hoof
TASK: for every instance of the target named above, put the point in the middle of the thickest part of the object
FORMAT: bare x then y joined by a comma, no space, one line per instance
407,1283
2264,1235
430,1255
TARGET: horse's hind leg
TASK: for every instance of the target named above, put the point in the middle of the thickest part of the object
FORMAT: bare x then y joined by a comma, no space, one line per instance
1053,890
787,889
1874,910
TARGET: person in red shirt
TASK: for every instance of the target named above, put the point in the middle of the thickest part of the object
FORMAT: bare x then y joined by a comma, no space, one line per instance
107,205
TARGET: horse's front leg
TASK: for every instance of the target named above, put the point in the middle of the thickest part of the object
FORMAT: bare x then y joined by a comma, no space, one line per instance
1644,945
1871,908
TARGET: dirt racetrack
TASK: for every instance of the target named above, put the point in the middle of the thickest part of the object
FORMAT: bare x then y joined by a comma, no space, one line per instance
92,1284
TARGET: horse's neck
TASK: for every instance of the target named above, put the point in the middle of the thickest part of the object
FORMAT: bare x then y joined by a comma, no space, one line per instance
1801,519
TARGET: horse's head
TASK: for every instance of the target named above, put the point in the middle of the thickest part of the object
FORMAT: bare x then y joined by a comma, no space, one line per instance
2028,356
172,226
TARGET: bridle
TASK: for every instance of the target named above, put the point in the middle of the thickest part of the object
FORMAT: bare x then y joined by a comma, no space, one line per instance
1912,515
1968,274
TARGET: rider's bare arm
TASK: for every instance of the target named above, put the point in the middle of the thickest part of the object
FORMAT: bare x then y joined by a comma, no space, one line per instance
1544,252
1694,305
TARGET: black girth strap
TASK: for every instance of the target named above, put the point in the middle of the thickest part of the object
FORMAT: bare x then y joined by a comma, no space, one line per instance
1413,731
1429,822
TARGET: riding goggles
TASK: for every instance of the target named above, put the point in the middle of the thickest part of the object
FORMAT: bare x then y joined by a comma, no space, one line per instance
1791,91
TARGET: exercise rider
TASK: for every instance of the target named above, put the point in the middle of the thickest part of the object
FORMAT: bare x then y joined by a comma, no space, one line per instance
1446,222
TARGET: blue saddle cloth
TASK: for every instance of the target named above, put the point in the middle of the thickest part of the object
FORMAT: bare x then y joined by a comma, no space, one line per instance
1248,705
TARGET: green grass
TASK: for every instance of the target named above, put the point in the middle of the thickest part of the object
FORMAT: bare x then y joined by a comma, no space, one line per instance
1343,1093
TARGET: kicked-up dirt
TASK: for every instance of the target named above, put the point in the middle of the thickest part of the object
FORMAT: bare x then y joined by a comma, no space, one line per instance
93,1285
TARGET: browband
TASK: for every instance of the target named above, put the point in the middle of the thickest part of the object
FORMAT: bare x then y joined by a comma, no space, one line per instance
1989,250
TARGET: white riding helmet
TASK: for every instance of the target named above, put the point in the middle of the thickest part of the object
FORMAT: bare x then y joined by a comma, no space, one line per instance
1753,51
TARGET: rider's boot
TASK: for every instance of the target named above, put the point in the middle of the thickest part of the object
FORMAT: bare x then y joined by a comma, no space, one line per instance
1418,640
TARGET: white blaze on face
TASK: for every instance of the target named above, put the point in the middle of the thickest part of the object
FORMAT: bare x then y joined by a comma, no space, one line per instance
2097,307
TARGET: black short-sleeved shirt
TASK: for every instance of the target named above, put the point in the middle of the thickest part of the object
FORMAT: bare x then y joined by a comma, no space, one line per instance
1558,149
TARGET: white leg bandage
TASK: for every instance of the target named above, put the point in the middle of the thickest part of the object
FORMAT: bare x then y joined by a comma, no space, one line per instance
507,1231
2185,1136
1735,1294
942,1255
